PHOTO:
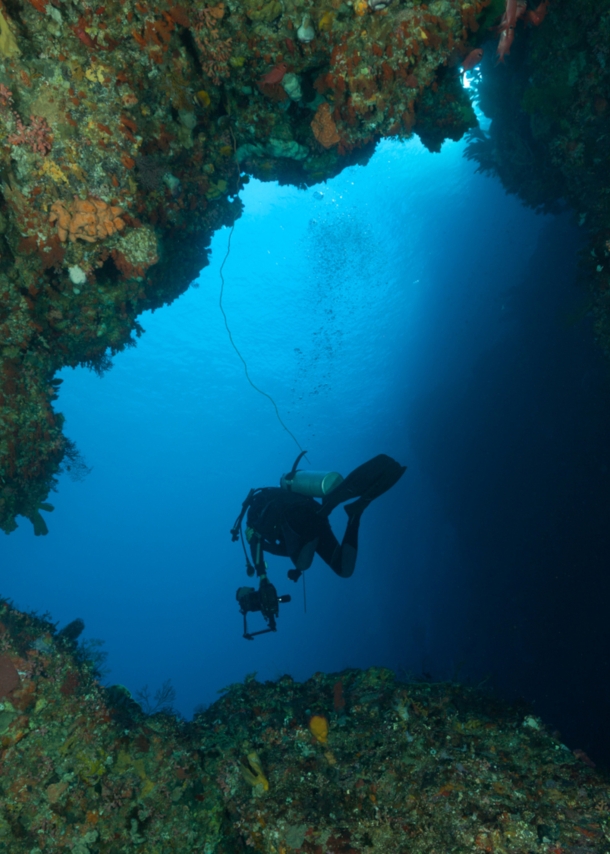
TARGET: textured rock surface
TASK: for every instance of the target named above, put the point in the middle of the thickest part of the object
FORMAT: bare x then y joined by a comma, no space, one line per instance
548,141
123,127
349,763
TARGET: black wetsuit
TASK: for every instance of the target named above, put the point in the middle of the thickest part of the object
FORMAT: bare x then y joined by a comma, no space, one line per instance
296,526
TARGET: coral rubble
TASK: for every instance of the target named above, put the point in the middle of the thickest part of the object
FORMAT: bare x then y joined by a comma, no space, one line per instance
402,766
124,131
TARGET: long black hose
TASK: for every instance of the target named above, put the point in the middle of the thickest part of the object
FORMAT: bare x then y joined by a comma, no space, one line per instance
254,386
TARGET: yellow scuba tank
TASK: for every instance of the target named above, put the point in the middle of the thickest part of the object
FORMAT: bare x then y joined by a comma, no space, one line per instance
316,484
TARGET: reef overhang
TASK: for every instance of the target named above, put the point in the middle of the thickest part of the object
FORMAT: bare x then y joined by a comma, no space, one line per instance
126,132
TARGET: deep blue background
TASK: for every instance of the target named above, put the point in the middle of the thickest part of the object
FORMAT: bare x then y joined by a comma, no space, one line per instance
413,309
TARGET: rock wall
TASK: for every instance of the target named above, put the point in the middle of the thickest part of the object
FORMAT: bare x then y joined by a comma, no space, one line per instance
548,141
348,763
126,131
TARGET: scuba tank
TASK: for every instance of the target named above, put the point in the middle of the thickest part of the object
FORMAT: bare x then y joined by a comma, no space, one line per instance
315,484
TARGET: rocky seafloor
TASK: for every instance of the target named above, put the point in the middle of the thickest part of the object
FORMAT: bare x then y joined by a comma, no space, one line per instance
344,763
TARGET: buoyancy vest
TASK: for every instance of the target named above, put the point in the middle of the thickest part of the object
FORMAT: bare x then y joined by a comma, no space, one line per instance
267,515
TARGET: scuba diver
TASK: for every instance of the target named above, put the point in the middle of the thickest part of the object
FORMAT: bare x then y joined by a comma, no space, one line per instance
288,521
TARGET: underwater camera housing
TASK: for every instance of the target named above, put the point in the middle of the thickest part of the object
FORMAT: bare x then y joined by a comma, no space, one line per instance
265,600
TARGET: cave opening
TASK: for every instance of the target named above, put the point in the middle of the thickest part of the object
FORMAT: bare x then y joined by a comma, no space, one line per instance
409,307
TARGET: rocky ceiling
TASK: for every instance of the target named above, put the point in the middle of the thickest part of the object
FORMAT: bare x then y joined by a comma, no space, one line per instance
127,129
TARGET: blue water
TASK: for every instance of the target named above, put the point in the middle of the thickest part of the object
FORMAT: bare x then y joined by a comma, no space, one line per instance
368,308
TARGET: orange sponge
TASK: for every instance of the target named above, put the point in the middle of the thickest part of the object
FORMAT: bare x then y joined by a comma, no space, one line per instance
318,727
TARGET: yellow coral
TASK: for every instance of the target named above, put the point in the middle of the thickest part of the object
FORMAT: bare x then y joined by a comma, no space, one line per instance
203,98
147,788
89,768
318,727
8,45
95,74
50,168
326,21
252,771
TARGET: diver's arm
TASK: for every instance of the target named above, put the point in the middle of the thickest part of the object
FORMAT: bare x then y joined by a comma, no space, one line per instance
258,554
275,548
340,557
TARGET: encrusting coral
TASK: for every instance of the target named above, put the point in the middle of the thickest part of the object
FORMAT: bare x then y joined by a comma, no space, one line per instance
549,128
86,219
324,128
8,43
417,767
318,727
136,118
252,771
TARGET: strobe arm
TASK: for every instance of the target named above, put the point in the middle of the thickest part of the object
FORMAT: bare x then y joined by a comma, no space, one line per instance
251,635
237,526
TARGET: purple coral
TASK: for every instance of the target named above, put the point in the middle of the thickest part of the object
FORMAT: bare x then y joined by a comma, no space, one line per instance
37,135
215,52
6,96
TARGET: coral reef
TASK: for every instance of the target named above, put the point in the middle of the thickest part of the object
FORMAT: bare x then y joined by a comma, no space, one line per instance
550,122
404,766
82,768
125,129
85,219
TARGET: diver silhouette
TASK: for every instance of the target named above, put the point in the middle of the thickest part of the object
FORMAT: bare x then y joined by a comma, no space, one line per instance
289,522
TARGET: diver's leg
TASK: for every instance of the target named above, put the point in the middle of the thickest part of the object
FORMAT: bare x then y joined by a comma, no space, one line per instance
305,557
302,560
340,557
368,481
300,528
